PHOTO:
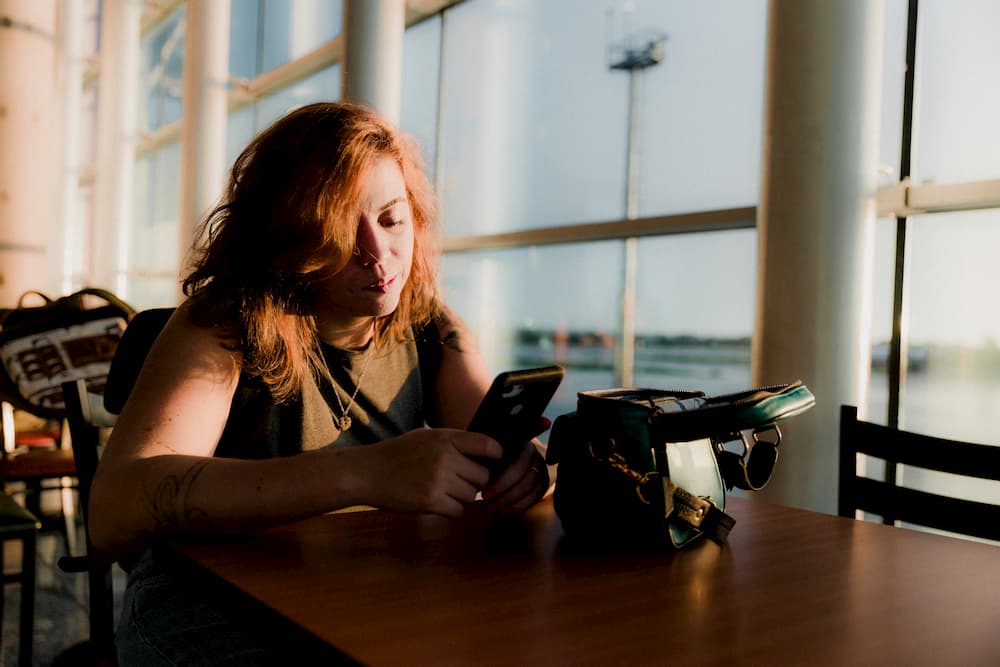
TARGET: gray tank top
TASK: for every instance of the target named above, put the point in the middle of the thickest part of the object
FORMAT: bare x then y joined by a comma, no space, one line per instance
388,402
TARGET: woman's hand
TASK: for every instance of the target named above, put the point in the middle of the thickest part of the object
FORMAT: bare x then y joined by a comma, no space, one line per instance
427,470
523,483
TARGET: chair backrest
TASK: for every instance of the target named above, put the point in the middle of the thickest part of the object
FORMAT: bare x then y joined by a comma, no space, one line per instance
915,450
131,353
86,413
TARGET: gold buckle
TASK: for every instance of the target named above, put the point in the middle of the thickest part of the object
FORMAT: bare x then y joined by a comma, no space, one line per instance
618,462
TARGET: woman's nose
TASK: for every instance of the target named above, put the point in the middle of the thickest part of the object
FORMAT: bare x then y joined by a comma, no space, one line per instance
370,244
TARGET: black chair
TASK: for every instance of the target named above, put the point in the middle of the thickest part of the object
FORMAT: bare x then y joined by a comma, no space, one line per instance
86,414
899,503
30,471
17,523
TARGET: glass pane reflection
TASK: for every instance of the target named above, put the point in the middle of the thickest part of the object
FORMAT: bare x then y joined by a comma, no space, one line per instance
953,385
293,28
957,100
694,311
323,86
542,305
418,103
532,120
700,109
162,53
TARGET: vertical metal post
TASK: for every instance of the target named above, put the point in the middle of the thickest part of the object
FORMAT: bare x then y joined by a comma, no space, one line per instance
626,357
896,369
637,54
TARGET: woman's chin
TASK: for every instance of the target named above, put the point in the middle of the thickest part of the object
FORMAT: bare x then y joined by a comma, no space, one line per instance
385,304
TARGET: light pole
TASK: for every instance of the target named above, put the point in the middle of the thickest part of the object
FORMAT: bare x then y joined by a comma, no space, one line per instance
638,53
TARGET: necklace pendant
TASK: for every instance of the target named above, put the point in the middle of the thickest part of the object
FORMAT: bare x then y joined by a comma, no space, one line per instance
344,423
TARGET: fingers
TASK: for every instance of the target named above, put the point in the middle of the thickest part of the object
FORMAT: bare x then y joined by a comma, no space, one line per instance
461,473
521,485
476,445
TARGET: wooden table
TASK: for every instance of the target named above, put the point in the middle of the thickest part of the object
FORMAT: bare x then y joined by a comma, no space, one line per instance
790,587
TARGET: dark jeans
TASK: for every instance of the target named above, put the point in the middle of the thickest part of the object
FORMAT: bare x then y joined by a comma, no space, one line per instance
174,615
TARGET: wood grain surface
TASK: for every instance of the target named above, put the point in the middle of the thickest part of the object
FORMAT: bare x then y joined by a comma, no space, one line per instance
790,587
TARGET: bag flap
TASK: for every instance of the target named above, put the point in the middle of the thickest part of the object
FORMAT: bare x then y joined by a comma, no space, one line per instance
731,413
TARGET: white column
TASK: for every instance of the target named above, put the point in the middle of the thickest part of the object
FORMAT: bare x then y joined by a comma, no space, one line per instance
71,67
203,126
29,167
372,71
816,222
117,95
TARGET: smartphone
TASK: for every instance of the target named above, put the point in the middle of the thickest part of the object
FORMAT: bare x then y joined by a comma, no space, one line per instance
512,408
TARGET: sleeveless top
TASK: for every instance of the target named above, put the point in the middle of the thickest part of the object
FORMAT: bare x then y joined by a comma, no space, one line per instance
393,397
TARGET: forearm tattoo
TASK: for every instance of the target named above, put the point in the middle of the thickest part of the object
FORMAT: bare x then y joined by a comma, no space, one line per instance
170,503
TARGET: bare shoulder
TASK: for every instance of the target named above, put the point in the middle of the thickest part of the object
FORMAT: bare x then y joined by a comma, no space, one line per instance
186,343
454,333
181,398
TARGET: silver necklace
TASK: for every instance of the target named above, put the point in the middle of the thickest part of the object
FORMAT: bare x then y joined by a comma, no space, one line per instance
344,420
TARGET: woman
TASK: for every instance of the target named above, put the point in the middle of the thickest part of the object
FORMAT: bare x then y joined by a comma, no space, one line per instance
305,331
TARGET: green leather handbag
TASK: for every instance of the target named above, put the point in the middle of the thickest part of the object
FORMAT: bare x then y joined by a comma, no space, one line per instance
651,467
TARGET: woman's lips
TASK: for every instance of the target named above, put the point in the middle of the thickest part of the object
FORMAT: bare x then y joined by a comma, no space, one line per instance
382,285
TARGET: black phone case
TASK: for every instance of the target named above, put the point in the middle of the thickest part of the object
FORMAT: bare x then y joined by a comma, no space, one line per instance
510,411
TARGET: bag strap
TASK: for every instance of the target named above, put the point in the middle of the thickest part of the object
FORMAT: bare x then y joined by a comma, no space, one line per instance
77,299
692,511
33,292
697,512
729,416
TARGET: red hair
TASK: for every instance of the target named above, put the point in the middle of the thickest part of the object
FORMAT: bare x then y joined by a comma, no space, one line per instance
287,221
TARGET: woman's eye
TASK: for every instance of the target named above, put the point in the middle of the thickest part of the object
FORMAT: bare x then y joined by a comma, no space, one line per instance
391,223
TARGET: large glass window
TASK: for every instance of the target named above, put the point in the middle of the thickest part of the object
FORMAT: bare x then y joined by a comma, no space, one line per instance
293,28
535,306
162,73
532,120
244,39
419,99
694,311
956,136
153,245
323,86
953,387
701,108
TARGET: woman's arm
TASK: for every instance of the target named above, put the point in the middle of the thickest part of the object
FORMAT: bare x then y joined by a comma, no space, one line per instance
157,476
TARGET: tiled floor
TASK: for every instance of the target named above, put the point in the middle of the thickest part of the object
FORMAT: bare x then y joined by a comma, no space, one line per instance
60,599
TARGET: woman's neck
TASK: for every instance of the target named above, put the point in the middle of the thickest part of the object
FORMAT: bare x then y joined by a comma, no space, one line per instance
352,335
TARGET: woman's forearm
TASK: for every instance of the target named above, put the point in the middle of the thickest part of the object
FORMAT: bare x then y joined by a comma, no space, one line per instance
175,495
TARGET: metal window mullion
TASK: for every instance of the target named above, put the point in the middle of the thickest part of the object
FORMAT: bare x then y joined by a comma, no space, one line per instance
897,343
609,230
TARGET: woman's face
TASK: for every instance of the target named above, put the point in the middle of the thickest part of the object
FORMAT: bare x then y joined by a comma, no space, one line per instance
371,282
